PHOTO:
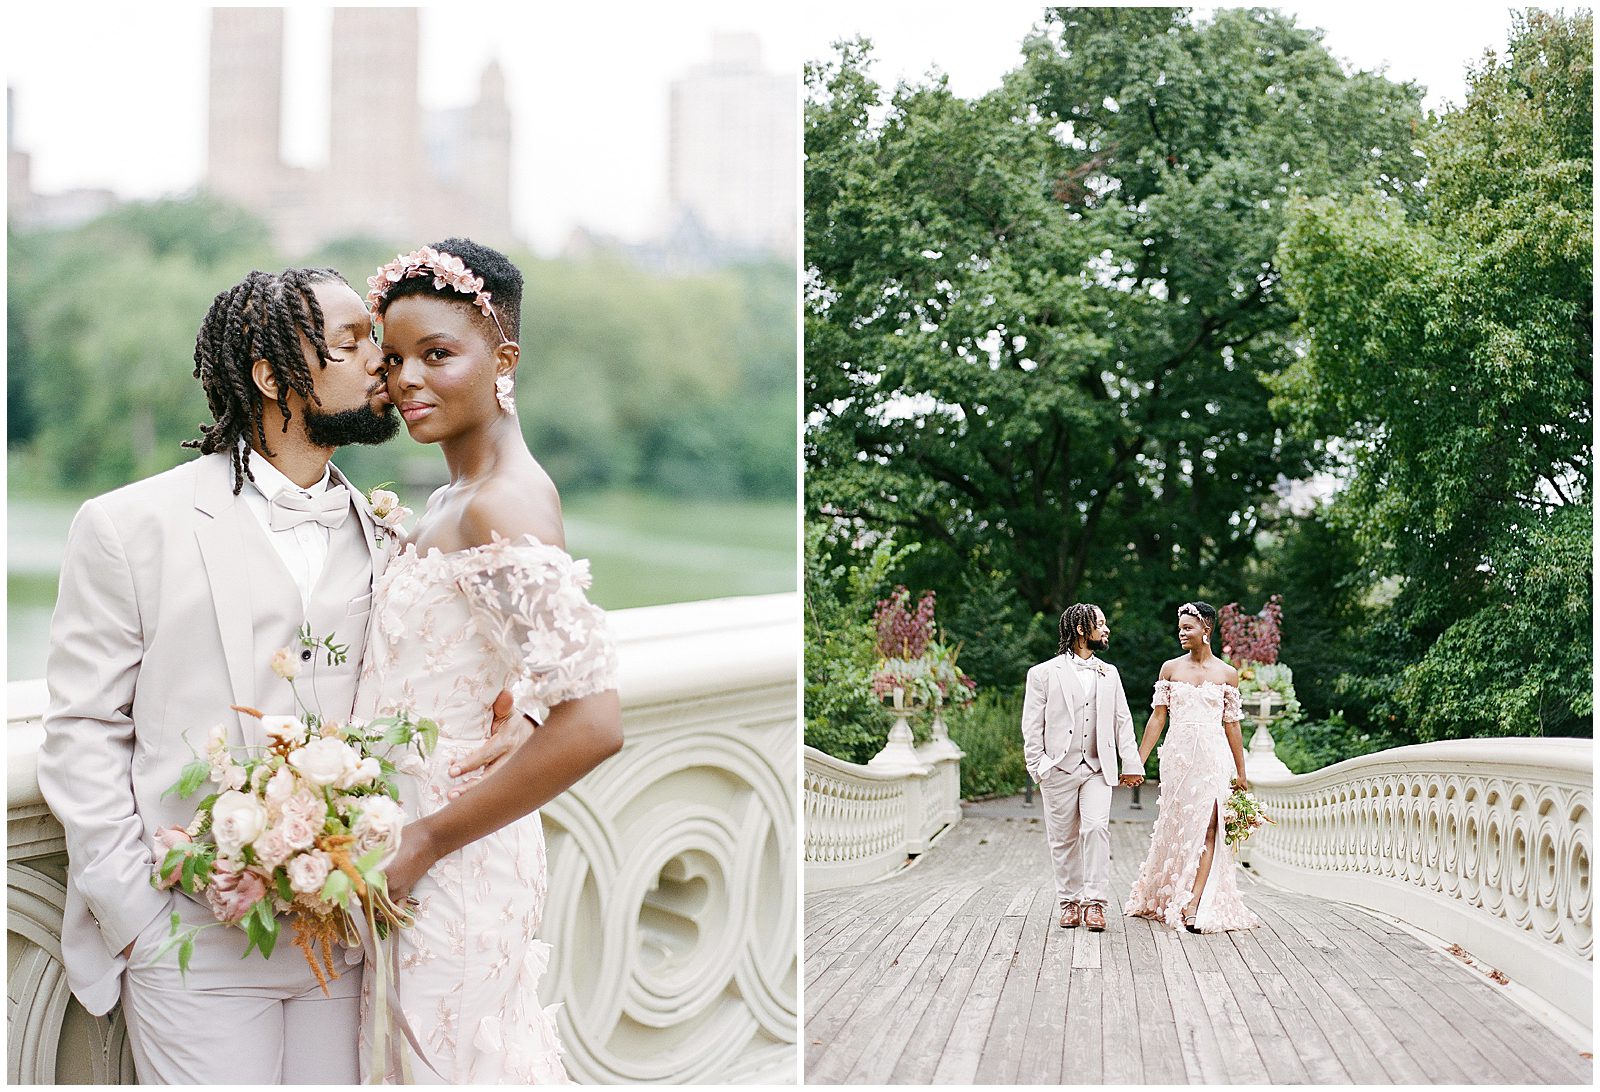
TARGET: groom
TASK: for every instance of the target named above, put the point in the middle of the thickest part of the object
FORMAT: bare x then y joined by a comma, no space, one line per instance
1075,729
175,591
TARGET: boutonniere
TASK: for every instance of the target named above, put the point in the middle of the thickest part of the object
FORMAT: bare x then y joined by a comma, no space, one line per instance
387,511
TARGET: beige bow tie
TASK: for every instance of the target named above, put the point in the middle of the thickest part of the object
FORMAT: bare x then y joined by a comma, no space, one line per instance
291,508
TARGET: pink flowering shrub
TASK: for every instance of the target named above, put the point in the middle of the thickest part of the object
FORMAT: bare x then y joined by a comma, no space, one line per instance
912,659
1252,638
903,633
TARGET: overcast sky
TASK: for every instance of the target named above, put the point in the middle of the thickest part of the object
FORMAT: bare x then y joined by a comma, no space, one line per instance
114,95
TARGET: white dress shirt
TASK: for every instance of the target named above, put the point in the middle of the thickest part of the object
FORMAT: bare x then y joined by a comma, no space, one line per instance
303,548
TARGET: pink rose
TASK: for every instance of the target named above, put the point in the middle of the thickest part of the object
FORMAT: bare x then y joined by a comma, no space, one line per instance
232,894
298,831
272,848
169,838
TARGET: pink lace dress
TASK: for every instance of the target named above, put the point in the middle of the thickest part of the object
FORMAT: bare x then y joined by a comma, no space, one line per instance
1197,773
449,631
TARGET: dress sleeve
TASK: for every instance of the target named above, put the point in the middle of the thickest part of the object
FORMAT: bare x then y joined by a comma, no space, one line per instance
1163,694
1231,707
528,600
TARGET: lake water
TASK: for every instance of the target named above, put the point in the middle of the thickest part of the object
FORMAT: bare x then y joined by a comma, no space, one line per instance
643,550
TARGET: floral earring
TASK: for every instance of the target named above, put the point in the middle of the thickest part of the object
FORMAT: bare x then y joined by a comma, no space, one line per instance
503,386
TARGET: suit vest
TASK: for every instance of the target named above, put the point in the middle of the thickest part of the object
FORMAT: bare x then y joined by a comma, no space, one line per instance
339,606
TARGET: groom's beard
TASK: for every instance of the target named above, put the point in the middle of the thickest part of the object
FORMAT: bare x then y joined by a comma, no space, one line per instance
352,426
1099,644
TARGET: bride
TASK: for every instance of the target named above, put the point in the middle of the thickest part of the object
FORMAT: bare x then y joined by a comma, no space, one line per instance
1182,880
482,598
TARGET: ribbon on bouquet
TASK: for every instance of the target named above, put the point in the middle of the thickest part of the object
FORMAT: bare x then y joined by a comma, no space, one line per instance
388,1017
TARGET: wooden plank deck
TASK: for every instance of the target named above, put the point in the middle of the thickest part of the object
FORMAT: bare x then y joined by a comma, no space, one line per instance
955,972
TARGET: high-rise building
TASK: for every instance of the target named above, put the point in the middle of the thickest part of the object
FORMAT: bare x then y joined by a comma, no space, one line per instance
732,160
244,126
375,166
392,171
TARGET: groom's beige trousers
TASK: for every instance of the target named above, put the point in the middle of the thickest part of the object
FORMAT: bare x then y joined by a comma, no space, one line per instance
1077,821
240,1035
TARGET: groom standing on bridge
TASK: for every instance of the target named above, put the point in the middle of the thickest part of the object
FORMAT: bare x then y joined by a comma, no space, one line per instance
1075,728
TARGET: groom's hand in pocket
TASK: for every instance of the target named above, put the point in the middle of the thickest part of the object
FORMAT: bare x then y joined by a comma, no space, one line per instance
508,732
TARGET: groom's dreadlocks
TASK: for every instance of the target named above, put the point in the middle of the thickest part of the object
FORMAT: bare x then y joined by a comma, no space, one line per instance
260,318
1076,621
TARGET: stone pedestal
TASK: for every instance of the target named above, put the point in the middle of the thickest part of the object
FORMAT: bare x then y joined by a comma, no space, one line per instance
899,754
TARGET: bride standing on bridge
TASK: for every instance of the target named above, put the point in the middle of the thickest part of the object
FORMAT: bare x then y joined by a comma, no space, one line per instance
1182,881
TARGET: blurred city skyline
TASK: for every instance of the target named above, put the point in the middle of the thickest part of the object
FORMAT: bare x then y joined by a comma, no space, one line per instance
125,108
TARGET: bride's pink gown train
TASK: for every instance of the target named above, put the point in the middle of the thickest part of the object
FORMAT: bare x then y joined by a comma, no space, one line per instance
1196,779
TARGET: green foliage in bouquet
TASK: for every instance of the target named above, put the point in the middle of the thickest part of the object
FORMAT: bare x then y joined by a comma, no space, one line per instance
300,826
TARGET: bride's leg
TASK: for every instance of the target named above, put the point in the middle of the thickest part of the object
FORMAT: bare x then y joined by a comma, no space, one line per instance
1204,870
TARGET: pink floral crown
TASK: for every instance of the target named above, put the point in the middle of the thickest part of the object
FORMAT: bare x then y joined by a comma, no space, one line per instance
447,270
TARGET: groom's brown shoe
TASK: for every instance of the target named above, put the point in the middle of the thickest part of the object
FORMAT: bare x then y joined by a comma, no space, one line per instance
1071,916
1094,917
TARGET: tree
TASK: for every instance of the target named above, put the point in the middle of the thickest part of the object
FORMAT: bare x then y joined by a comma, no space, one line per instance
1038,321
1450,343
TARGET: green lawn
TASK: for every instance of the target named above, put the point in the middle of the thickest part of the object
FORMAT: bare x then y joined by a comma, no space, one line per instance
642,549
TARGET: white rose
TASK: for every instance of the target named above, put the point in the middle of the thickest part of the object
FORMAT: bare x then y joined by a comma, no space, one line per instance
365,773
324,761
280,787
378,825
236,820
282,728
309,871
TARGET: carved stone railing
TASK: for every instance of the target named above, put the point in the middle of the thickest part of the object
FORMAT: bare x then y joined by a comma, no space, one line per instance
672,871
864,822
1482,842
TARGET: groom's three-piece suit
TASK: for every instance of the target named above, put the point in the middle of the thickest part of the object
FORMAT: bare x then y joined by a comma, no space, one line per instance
174,594
1076,730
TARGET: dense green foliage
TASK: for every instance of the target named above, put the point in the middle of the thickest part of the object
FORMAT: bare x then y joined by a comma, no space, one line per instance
842,716
1039,319
1450,347
988,731
1070,335
631,380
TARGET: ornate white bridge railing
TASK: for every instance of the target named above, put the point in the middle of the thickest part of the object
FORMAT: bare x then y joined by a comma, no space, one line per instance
672,870
1485,842
862,822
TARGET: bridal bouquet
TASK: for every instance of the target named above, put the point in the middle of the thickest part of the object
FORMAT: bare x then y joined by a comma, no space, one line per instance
1242,814
301,827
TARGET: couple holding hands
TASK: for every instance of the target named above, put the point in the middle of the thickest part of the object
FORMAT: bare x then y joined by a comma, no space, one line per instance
1077,733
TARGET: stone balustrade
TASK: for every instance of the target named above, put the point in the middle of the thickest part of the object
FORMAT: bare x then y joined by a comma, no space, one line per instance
672,871
864,822
1484,843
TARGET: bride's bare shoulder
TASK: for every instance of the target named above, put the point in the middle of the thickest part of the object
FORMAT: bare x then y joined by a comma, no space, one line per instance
1169,669
513,505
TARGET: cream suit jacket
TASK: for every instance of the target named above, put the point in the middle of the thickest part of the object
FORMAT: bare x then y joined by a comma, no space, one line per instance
151,639
1049,718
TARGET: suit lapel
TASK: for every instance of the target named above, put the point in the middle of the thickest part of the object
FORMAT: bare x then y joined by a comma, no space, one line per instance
376,539
1066,680
219,532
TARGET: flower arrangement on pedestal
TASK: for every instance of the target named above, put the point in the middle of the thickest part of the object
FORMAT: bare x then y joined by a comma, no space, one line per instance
1250,642
912,660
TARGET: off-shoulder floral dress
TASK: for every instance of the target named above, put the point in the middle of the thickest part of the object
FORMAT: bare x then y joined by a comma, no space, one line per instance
449,632
1197,773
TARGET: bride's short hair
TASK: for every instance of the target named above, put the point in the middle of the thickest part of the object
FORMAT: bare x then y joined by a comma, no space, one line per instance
1200,611
501,279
